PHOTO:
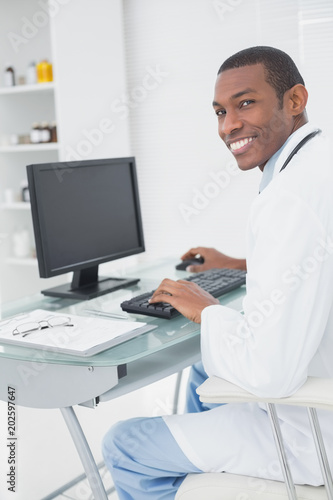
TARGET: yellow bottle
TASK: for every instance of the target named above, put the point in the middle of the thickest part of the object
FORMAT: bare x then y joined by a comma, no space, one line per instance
44,72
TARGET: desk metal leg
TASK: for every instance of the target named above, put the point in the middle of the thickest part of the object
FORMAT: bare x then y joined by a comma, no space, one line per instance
85,454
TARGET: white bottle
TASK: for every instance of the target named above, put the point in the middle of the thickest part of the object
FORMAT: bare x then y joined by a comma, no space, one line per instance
35,133
21,243
9,76
45,132
31,74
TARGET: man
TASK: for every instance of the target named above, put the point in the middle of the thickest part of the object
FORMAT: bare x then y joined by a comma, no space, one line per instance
286,332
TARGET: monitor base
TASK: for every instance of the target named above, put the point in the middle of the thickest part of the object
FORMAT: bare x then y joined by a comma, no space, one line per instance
87,292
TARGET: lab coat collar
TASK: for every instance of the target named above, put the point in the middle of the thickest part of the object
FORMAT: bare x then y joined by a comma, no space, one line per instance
274,164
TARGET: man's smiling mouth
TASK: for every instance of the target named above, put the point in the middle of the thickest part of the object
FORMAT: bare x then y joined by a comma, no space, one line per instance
238,145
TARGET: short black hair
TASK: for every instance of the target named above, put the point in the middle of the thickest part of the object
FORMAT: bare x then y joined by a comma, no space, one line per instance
281,71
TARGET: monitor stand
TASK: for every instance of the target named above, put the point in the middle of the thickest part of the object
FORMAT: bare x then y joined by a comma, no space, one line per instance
86,285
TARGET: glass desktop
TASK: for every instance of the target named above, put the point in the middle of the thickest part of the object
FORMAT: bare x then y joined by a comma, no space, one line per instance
167,333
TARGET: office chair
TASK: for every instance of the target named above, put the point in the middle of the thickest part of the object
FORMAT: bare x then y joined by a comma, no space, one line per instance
315,393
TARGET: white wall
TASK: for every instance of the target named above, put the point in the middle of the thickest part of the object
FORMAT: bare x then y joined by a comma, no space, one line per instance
87,38
173,131
173,127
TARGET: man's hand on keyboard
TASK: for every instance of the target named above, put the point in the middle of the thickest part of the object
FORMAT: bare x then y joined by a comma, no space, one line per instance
212,259
187,297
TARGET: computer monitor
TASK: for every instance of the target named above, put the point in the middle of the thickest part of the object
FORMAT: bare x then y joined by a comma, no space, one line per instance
85,213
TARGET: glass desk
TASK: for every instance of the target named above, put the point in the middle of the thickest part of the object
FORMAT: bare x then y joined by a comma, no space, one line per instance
45,379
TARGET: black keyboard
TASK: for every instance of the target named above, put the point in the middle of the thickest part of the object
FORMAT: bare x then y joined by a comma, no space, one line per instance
215,281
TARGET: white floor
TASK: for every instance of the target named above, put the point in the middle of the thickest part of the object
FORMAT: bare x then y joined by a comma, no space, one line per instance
82,491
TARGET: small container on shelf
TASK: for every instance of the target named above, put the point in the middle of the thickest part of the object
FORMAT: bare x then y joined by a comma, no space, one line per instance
31,76
35,133
25,195
13,139
21,243
8,196
4,140
24,139
53,130
9,76
44,72
45,132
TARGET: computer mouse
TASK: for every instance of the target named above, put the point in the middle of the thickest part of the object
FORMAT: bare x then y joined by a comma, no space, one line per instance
189,262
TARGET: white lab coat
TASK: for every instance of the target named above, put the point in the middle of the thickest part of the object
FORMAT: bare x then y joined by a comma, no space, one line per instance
286,332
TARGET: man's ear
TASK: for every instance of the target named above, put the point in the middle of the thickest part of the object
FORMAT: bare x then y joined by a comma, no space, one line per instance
296,99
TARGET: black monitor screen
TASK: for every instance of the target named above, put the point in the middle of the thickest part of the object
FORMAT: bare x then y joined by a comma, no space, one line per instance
84,214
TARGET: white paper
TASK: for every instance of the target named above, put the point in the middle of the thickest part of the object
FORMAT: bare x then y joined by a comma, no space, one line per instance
87,336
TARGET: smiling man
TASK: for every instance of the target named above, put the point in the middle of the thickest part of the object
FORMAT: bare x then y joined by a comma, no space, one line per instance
286,331
252,120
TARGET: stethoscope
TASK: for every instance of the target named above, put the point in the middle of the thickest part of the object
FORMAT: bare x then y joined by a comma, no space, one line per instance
299,146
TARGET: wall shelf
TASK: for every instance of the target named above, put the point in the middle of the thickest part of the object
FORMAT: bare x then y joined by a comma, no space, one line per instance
21,89
24,148
18,205
18,261
21,106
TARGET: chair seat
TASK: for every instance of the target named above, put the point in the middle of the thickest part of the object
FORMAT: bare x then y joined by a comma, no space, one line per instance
223,486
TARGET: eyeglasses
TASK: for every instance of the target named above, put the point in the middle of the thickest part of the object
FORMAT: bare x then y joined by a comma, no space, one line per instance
27,328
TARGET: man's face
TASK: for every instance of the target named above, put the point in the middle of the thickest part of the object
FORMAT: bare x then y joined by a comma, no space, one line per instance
250,120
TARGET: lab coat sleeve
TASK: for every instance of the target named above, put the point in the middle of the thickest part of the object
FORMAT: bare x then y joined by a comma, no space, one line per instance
267,350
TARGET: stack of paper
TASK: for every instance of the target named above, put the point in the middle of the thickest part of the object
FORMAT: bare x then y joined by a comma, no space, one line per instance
86,335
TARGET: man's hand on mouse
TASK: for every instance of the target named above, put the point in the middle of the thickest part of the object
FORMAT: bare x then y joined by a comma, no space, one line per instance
187,297
212,259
